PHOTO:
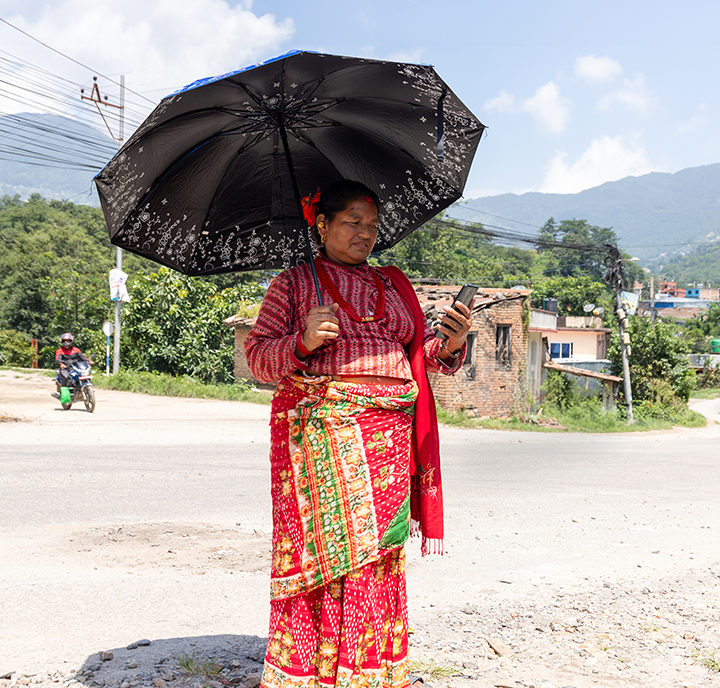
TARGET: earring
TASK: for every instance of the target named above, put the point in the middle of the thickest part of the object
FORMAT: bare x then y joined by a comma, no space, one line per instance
322,239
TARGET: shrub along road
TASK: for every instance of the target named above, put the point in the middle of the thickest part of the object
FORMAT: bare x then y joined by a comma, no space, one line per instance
593,559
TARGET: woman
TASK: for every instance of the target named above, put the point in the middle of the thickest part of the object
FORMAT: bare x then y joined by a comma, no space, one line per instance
352,427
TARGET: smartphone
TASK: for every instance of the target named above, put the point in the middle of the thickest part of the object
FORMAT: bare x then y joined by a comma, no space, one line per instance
464,296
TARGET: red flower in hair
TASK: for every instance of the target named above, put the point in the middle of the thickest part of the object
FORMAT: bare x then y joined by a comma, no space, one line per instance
310,208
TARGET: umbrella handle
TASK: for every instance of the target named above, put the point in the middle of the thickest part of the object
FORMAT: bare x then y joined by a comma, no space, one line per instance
298,200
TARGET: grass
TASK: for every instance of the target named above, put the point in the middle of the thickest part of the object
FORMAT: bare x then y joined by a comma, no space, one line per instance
432,670
707,393
462,420
585,415
710,660
29,371
161,384
198,667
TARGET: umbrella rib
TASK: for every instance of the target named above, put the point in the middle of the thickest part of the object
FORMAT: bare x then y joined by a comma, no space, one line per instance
138,207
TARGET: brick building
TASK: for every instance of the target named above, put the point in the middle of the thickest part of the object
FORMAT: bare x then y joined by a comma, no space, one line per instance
493,374
242,327
493,377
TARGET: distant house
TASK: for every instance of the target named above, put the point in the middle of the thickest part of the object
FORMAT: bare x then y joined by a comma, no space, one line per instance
674,308
703,293
671,289
575,345
493,374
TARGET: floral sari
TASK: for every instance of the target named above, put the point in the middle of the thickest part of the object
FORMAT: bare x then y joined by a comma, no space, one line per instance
340,470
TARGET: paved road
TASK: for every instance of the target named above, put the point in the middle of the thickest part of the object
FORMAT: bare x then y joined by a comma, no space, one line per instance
523,510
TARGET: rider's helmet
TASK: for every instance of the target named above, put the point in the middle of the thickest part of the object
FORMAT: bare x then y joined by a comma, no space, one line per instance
66,341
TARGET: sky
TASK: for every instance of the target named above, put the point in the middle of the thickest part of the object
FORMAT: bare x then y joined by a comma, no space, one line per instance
574,93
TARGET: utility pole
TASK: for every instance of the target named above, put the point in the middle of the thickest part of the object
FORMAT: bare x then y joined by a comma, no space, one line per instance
615,279
652,299
118,250
98,100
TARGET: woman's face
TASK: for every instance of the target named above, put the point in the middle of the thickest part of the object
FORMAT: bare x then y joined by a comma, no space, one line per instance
350,237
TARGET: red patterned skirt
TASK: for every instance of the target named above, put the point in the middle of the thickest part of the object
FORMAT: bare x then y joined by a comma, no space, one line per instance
340,465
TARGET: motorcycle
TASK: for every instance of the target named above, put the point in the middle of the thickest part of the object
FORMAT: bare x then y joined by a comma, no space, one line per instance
81,388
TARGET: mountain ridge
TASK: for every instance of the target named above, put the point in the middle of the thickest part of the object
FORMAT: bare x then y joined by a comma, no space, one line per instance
54,156
653,214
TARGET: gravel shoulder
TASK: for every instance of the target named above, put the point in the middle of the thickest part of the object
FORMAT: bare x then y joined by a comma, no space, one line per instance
571,596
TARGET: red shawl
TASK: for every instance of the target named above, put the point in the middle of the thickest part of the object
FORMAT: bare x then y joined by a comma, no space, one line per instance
426,506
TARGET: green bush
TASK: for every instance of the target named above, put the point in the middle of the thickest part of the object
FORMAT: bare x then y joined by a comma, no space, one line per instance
657,353
15,349
701,329
661,402
174,325
559,390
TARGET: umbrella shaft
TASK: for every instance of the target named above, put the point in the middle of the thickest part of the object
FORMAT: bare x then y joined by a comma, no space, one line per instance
298,200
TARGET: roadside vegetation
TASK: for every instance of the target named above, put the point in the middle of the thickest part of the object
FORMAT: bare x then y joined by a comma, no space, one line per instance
166,385
55,257
583,416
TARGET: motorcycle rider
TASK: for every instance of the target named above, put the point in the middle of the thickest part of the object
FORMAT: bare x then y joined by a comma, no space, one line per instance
63,358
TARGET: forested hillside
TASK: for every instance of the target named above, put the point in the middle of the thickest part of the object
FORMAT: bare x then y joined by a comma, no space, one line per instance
652,214
701,265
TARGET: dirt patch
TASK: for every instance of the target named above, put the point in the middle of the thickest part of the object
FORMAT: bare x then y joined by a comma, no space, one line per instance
190,547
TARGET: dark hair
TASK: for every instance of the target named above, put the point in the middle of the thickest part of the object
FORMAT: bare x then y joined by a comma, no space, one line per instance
338,195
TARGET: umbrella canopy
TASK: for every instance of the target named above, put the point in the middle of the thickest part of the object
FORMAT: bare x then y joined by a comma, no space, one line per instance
206,184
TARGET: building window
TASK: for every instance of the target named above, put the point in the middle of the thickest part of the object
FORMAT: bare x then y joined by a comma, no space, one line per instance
561,350
502,344
469,367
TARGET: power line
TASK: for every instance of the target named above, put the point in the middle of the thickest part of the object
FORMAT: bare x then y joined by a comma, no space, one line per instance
67,57
509,235
500,217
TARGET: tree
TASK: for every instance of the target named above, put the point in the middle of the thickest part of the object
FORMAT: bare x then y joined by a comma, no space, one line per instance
15,349
448,251
47,250
657,355
572,293
38,241
78,298
584,259
174,324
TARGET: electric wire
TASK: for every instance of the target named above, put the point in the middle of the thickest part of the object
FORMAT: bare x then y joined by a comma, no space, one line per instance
67,57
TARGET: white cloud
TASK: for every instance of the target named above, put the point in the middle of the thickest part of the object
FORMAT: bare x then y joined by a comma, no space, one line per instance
161,45
549,108
502,103
412,56
597,69
607,159
696,122
633,96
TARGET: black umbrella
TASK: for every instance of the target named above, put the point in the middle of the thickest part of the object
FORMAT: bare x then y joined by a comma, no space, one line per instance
210,181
